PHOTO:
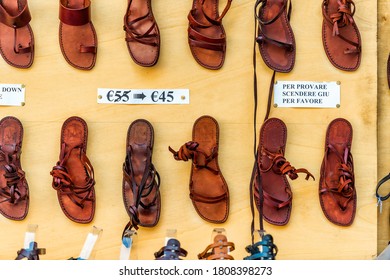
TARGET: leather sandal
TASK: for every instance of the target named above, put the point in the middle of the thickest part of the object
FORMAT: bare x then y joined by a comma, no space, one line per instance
78,39
273,168
337,184
73,175
14,192
16,35
219,250
142,33
206,35
340,34
274,34
171,251
265,249
141,181
32,253
208,189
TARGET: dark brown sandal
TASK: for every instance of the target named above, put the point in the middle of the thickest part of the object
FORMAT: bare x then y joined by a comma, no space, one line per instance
31,253
275,36
208,189
273,168
219,250
141,181
14,192
73,175
16,35
142,33
337,184
206,35
340,34
172,251
77,35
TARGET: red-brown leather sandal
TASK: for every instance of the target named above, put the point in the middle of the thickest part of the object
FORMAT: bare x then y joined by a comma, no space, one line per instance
141,181
73,175
274,34
14,193
142,33
337,184
219,250
78,39
274,168
340,34
16,35
206,35
208,189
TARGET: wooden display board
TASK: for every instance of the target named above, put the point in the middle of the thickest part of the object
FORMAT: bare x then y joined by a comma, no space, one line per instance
56,91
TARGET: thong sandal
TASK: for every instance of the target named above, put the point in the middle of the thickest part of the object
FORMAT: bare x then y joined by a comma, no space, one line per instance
16,35
78,39
14,194
206,35
337,184
172,251
340,34
141,181
142,33
73,175
32,253
208,189
273,168
219,250
275,36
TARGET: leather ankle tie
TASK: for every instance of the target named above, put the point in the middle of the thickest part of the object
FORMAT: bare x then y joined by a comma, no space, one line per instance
343,16
199,158
281,166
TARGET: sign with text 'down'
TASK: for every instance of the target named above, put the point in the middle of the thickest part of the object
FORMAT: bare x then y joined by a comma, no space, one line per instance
12,95
306,94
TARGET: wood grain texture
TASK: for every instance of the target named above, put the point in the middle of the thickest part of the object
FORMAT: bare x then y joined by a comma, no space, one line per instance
383,119
56,91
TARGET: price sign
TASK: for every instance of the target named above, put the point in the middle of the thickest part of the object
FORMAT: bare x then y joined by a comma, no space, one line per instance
143,96
12,94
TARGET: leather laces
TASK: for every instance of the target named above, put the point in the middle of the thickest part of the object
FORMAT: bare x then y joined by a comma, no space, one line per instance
13,176
345,187
147,38
150,180
62,181
378,196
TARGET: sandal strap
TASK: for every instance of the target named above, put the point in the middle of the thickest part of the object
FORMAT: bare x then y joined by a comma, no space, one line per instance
147,38
32,253
62,181
75,16
380,183
15,21
223,248
340,19
262,250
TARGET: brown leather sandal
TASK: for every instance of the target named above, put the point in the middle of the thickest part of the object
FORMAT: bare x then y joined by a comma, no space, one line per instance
73,175
14,193
208,189
142,33
78,39
273,168
219,250
275,36
340,34
337,184
141,181
206,35
16,35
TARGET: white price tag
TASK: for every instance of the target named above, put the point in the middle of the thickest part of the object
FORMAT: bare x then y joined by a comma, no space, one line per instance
143,96
12,95
304,94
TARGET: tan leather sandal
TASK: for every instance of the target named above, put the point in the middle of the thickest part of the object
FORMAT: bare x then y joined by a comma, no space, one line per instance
16,35
209,192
